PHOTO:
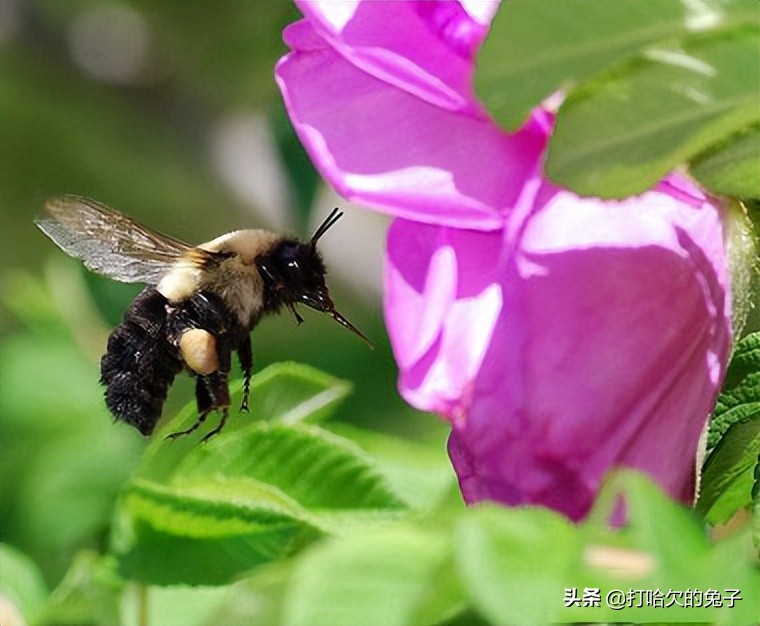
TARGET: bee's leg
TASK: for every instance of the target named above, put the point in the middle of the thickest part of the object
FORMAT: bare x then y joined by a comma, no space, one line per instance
202,332
218,429
219,393
205,406
245,356
201,418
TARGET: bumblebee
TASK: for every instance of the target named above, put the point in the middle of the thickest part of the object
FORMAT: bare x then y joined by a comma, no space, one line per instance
200,304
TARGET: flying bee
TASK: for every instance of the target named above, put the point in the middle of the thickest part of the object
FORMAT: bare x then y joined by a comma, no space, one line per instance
200,305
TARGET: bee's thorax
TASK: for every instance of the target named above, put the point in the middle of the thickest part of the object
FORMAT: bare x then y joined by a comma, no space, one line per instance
235,279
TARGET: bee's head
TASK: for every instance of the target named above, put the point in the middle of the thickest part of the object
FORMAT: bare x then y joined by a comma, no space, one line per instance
294,273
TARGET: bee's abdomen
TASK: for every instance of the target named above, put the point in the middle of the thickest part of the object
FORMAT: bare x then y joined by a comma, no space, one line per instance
140,363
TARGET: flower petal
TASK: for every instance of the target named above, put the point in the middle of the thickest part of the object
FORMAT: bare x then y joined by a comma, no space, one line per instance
609,350
424,48
441,299
380,146
423,283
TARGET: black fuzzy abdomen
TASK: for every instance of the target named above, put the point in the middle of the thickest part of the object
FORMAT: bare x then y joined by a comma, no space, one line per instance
140,364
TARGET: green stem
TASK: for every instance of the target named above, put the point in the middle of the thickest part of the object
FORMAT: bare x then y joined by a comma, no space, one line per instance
142,605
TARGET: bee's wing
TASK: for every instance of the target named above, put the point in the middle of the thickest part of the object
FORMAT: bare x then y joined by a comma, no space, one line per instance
111,243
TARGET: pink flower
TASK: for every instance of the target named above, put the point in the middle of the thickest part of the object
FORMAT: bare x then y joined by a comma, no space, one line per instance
583,336
380,95
560,336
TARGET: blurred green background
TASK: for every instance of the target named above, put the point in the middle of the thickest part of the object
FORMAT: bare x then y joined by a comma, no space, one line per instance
169,112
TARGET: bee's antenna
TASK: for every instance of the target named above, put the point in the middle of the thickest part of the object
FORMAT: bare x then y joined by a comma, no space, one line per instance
330,220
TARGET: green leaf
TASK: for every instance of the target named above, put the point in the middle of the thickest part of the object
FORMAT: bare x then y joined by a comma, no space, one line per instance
293,392
204,514
89,593
731,168
257,599
619,134
22,589
742,238
283,392
536,47
663,546
516,563
745,362
741,388
729,471
743,393
520,565
727,418
733,441
419,474
168,535
313,467
394,576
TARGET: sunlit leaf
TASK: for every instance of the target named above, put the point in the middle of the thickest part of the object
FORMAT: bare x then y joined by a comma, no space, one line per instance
283,392
516,564
419,474
731,168
531,566
391,577
313,467
741,388
733,442
729,471
293,392
745,362
620,133
536,47
177,536
204,514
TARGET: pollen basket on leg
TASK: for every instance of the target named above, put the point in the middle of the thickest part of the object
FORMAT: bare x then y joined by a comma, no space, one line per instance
198,350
